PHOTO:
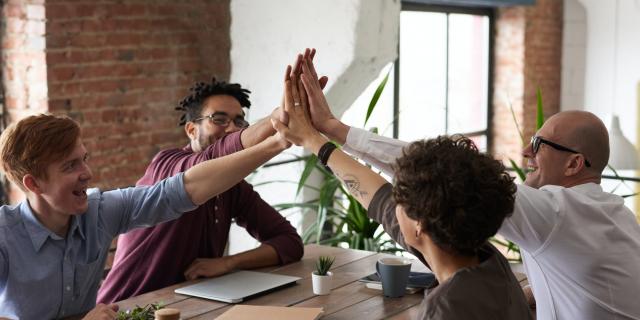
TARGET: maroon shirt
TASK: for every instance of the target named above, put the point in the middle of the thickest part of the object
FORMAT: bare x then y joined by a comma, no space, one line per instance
152,258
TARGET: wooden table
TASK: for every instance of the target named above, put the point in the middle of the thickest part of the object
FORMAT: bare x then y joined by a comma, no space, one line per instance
349,298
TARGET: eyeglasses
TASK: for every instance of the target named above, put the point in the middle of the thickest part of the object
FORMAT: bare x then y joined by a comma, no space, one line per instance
223,120
537,141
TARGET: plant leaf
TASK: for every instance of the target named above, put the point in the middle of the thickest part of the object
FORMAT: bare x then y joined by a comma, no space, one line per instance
539,110
376,96
310,163
518,170
513,115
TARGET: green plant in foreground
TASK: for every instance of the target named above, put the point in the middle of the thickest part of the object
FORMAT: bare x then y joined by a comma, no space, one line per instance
323,265
140,313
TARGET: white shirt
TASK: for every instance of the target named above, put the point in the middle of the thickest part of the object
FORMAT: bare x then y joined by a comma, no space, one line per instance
580,245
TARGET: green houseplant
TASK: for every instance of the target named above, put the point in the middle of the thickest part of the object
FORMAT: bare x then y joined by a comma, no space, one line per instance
321,277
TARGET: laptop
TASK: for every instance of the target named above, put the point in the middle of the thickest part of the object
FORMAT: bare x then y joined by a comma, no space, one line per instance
237,286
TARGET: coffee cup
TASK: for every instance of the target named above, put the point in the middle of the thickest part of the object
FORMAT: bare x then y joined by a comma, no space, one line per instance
394,275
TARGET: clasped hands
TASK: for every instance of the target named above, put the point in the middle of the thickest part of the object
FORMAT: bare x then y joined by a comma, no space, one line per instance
306,113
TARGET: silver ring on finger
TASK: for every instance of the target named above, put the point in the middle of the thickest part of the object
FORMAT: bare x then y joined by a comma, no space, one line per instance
296,104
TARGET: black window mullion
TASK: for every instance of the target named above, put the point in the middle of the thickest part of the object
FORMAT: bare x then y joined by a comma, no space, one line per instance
446,80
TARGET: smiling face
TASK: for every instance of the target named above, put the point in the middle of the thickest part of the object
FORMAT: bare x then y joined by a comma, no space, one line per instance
65,187
580,131
205,132
547,166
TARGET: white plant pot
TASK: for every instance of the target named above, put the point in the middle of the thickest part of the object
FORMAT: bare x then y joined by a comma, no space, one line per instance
321,284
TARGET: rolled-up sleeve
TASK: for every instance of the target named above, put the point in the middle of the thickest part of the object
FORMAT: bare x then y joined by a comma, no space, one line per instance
125,209
376,150
266,224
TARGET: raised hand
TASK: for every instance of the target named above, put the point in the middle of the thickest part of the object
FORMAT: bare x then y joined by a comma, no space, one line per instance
319,109
300,130
296,70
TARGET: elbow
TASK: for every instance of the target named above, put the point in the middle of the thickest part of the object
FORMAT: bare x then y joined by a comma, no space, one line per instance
292,251
298,251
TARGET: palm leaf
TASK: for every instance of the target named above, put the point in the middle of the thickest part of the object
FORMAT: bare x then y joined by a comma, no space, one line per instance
518,170
310,163
376,96
513,115
539,110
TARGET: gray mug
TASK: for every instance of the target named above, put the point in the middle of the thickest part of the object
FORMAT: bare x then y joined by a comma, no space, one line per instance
394,275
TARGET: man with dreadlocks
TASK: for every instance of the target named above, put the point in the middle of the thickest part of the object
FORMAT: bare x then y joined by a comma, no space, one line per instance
193,245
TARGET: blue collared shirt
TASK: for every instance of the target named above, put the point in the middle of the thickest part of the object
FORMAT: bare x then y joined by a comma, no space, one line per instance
44,276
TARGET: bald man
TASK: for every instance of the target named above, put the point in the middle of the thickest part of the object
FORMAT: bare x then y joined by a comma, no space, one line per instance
580,245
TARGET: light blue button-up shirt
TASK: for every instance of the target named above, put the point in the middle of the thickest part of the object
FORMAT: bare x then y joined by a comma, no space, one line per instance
44,276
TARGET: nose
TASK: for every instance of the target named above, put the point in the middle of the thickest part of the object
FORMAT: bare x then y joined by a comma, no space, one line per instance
231,127
527,152
86,173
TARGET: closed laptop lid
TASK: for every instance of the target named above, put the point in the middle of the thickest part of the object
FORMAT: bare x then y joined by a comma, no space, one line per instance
235,287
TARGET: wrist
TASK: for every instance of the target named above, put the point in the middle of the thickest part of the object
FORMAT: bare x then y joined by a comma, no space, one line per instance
314,143
230,263
336,130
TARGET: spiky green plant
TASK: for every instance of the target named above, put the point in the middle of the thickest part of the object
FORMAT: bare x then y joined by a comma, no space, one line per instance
140,313
323,265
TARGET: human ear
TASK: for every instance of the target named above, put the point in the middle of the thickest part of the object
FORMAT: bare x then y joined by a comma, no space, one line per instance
191,130
31,183
574,165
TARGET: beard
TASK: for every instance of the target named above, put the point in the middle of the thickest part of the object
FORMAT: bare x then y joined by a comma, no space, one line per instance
204,141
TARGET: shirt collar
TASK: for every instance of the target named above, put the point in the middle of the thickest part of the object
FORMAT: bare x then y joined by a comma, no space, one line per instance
38,232
587,187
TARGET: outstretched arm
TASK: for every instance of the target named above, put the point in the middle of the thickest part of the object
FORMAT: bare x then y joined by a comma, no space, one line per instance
210,178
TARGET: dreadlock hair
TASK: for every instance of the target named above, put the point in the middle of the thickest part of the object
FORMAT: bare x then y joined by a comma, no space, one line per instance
191,105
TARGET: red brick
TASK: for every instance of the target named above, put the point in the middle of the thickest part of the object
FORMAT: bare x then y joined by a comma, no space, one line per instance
118,69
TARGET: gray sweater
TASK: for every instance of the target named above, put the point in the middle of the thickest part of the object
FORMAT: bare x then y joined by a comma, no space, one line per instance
486,291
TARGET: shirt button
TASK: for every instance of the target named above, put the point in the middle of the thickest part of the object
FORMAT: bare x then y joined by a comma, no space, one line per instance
215,208
216,220
68,288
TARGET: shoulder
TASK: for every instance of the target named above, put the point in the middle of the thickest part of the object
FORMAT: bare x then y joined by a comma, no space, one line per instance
9,216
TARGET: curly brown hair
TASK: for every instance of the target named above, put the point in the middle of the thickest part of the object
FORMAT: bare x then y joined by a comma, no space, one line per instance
459,196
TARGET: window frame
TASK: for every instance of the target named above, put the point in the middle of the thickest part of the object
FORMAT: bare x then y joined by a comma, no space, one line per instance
487,12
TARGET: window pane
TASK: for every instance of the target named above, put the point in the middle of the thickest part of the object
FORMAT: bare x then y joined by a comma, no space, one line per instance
422,74
480,141
468,72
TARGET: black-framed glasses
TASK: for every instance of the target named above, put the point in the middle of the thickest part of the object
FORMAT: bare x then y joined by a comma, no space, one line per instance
223,120
537,141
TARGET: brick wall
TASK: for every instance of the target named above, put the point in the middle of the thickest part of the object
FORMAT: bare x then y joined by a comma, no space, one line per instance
119,68
24,71
528,55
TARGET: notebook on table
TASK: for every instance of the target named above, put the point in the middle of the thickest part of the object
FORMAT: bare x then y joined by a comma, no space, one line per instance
237,286
271,313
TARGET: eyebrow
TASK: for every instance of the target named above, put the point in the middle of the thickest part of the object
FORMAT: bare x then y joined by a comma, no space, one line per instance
68,162
242,114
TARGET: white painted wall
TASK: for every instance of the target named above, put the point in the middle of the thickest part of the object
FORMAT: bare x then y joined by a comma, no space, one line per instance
601,74
355,39
601,70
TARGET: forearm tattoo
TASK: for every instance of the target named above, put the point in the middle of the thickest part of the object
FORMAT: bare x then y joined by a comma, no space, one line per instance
353,185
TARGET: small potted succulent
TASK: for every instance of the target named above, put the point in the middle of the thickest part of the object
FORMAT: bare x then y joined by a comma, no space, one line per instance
321,277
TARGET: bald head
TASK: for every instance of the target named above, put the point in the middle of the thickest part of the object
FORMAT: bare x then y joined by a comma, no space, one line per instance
582,131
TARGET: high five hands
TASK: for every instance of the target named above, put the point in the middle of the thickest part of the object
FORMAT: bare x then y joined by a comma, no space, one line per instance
305,108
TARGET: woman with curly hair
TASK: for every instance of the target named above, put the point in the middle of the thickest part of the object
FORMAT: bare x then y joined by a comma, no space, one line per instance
447,200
